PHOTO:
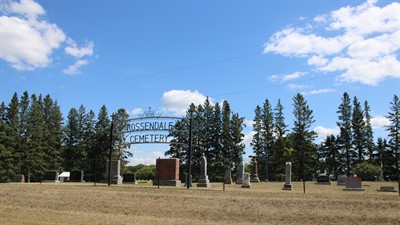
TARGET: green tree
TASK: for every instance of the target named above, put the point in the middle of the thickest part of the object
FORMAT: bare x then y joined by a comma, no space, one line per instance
305,154
345,137
102,141
7,143
358,129
368,133
71,140
394,136
121,151
329,150
367,171
237,140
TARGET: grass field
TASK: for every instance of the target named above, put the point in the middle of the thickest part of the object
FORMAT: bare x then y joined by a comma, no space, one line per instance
264,203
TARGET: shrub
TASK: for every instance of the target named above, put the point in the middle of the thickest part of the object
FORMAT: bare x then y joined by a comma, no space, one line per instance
367,171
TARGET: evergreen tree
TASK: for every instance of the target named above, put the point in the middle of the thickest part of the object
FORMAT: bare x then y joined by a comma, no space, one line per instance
7,143
383,157
345,137
35,160
358,129
267,136
89,145
394,135
217,171
305,154
329,150
237,140
3,113
71,141
22,151
279,151
226,141
53,134
121,152
257,141
368,133
102,137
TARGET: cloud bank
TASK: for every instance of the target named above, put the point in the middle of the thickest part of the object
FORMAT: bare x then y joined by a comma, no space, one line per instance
28,40
361,43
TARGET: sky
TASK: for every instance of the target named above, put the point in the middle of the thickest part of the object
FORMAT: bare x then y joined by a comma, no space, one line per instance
167,54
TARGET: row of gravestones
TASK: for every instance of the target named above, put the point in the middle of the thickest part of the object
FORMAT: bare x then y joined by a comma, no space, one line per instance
52,176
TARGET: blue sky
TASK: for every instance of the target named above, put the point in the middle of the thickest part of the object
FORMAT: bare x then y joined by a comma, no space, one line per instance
165,54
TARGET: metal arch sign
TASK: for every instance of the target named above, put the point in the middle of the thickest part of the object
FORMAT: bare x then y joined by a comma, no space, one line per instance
150,128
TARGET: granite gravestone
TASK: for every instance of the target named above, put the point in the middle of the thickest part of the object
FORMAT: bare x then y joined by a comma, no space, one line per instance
203,178
76,176
50,176
115,171
322,177
19,178
341,180
240,174
246,181
288,177
129,178
228,176
353,184
167,172
254,172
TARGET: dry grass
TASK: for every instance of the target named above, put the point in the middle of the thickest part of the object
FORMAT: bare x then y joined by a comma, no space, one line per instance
264,203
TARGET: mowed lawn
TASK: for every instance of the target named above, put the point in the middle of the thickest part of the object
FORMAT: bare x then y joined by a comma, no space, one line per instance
264,203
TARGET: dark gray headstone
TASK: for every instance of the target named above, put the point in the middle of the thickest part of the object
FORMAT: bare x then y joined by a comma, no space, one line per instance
288,177
353,184
76,176
50,176
129,178
341,180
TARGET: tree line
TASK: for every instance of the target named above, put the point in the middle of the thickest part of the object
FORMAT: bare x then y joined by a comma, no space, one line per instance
34,138
352,151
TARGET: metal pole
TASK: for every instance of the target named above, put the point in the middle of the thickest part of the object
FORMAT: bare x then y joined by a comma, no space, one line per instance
190,151
111,149
158,172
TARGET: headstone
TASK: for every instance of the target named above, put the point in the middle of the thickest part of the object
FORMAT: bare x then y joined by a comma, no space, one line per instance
50,176
246,181
129,178
386,189
353,184
254,172
240,174
228,177
322,177
19,178
115,171
76,176
203,178
381,179
167,172
341,180
288,177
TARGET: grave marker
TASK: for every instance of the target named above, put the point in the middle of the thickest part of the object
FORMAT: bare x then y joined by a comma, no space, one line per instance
288,177
167,172
353,184
203,178
240,174
246,181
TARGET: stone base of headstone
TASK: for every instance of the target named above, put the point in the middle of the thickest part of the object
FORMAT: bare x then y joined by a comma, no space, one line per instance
246,185
386,189
204,183
173,183
254,178
323,179
19,178
287,187
341,180
353,184
228,181
117,180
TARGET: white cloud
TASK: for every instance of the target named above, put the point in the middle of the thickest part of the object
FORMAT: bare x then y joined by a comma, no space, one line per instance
74,68
29,41
379,122
360,42
321,91
28,44
136,111
77,52
297,86
178,101
248,138
293,76
323,131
